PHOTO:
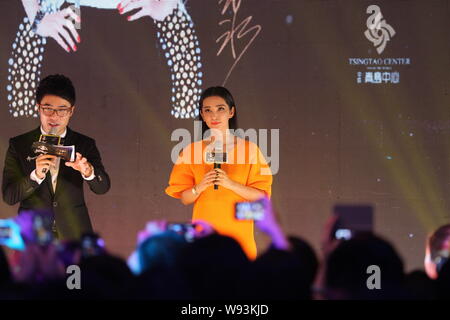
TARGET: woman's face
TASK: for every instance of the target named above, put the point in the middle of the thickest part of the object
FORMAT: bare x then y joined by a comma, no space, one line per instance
216,113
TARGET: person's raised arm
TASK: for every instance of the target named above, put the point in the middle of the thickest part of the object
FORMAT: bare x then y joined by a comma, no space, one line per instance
269,225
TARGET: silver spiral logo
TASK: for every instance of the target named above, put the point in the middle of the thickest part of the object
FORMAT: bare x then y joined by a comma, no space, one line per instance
378,31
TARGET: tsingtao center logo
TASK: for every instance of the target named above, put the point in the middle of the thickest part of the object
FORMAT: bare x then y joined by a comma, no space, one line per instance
378,69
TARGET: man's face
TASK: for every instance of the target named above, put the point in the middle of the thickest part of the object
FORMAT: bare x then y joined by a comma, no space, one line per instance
49,108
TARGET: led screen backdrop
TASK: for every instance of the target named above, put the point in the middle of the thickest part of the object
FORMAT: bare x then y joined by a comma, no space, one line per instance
359,91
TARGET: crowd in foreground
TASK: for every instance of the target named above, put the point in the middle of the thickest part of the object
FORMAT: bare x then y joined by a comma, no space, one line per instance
200,264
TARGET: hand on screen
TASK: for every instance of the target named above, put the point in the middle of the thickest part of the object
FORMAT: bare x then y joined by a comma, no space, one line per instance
156,9
57,26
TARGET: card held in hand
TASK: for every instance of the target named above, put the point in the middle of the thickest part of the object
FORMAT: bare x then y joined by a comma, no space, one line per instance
65,152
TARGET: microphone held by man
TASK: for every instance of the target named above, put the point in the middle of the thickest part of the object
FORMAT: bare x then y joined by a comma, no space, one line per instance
53,133
50,149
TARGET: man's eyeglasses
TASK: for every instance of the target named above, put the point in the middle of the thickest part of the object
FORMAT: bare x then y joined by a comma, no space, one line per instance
60,112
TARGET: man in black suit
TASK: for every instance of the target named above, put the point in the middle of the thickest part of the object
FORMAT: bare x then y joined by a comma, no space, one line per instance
46,182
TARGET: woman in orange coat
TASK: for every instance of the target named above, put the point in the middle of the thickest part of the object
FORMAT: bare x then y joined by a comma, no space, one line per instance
245,176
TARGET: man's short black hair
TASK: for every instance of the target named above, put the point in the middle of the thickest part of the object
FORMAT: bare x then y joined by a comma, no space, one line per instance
57,85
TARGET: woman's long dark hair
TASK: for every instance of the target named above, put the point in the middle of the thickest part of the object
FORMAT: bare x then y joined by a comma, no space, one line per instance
225,95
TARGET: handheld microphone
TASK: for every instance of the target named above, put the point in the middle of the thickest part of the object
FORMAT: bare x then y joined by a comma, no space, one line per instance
216,165
219,157
53,133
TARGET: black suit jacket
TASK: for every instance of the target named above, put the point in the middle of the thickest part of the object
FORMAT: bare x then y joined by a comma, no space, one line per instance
67,202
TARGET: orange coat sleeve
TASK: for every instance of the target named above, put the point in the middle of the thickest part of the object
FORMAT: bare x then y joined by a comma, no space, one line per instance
260,176
181,178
